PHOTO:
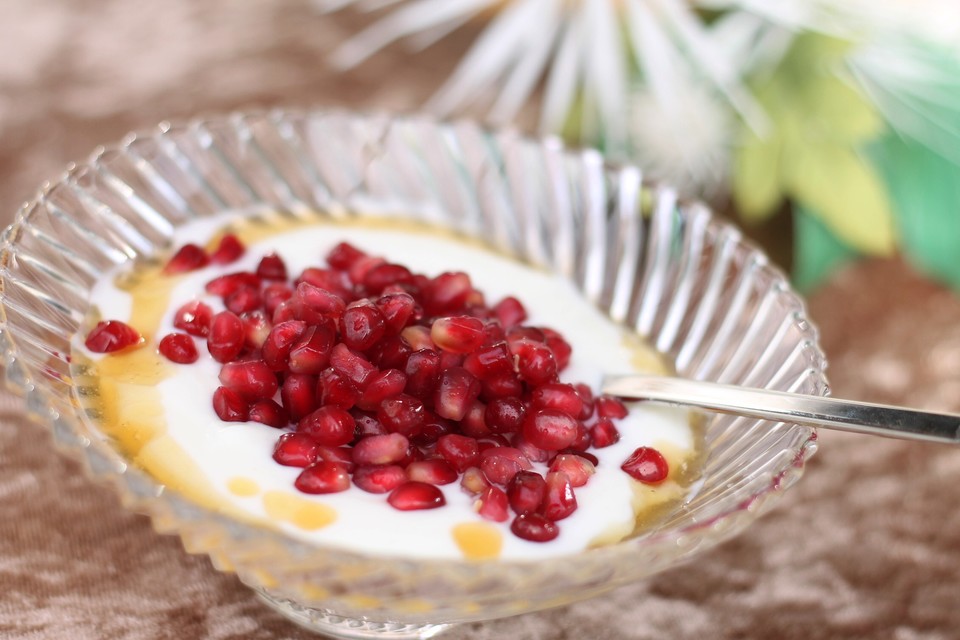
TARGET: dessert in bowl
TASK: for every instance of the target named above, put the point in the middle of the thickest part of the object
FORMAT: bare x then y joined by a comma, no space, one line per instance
640,264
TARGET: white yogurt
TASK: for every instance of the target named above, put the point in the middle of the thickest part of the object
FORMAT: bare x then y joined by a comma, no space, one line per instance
366,522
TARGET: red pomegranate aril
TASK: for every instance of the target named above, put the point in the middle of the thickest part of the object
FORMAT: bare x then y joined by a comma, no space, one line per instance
647,465
366,425
343,255
505,415
109,336
390,353
457,334
179,348
224,285
578,469
473,481
230,405
448,360
298,394
535,362
278,343
500,464
586,396
510,312
189,257
243,299
447,293
311,353
386,449
332,281
433,428
351,365
256,327
504,386
270,413
398,310
432,472
275,294
534,527
336,389
559,396
609,407
362,325
412,496
423,373
380,386
295,450
490,361
456,391
323,477
559,501
382,478
460,451
561,348
549,429
227,336
252,379
383,275
586,455
521,334
525,492
473,423
493,505
272,267
533,453
195,318
403,414
361,267
583,440
228,250
604,433
330,426
418,337
343,455
319,300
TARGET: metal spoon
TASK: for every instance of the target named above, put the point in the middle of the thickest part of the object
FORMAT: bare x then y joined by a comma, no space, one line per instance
831,413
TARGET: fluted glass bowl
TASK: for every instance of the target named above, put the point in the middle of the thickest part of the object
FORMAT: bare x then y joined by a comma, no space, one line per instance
663,268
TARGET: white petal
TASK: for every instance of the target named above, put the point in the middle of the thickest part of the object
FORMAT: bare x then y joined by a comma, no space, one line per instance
564,77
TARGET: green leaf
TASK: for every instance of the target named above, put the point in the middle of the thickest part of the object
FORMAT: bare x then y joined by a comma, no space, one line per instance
925,188
756,177
817,252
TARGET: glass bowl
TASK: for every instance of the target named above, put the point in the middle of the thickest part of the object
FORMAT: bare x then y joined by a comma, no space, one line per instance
663,268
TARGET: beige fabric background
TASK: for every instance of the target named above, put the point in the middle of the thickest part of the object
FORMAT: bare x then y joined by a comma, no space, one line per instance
867,545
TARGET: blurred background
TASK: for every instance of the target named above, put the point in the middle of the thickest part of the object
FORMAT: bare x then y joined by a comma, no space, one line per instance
829,129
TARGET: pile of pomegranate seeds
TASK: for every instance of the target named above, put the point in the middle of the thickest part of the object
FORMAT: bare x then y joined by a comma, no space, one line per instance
398,383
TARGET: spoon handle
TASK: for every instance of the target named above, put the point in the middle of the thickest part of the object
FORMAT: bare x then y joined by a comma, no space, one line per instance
831,413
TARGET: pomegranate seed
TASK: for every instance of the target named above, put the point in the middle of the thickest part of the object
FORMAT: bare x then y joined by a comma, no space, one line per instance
179,348
195,318
418,337
608,407
559,396
323,477
229,250
272,267
398,310
473,481
343,455
518,335
366,425
510,312
493,505
604,433
456,391
311,353
390,353
505,415
526,491
561,348
493,333
578,469
380,386
278,343
270,413
534,527
298,394
336,283
448,359
646,465
559,500
362,325
473,423
230,405
434,427
550,429
336,389
343,255
500,464
458,334
505,386
360,268
275,294
252,379
224,285
446,293
586,396
110,336
227,336
378,450
432,472
379,478
256,328
461,452
533,453
490,361
535,362
411,496
295,450
351,365
586,455
423,373
330,426
402,414
383,275
188,258
318,300
243,299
